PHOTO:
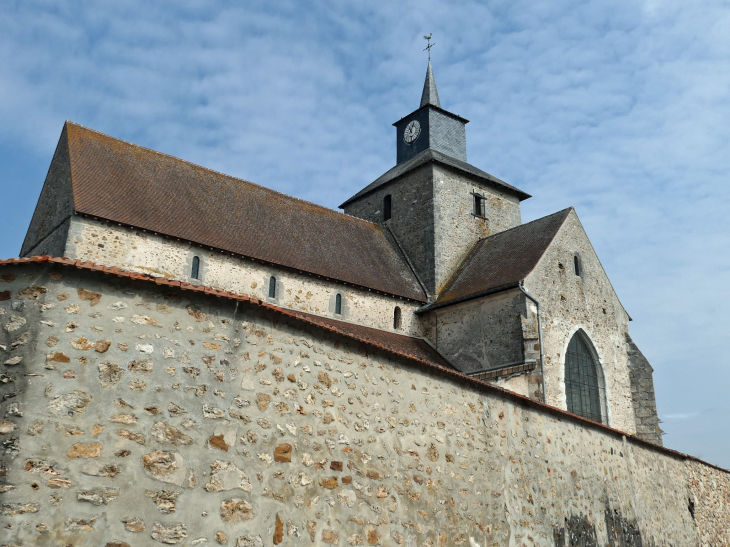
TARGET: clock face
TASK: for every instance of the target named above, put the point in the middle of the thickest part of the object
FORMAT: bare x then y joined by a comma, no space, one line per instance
413,130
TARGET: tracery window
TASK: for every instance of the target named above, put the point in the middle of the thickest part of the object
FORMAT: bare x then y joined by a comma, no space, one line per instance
585,388
272,287
195,270
338,304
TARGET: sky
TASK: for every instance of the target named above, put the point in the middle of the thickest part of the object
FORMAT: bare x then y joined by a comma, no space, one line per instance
617,107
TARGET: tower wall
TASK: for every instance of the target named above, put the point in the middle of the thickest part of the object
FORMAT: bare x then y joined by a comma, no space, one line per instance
412,220
456,229
447,134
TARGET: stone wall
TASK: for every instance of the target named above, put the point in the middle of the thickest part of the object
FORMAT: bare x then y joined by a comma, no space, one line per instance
49,225
412,221
456,228
587,302
433,218
482,333
136,414
642,394
144,252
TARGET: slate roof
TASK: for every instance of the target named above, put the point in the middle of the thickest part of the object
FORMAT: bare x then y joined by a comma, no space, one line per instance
430,155
501,261
125,183
430,94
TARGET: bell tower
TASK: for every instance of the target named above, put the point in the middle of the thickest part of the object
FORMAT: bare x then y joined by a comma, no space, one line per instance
433,203
430,127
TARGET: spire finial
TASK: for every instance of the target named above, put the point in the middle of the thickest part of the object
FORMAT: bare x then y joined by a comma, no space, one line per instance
429,46
430,94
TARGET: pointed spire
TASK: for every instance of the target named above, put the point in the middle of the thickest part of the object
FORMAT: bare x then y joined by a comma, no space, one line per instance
430,95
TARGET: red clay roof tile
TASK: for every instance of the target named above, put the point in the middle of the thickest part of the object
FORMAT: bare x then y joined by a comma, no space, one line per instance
125,183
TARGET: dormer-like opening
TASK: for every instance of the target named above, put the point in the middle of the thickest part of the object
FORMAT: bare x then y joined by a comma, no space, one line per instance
396,318
195,270
338,304
272,287
387,208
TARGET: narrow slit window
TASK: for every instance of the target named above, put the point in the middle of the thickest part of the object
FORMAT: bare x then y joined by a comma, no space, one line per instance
479,205
195,270
396,318
338,304
387,207
576,265
272,287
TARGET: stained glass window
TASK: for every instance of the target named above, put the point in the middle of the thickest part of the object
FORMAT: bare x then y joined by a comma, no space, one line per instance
584,384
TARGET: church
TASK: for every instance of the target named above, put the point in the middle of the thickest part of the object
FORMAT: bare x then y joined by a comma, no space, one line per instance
193,358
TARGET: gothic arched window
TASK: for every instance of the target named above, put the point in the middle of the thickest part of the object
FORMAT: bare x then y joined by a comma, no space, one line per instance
396,318
272,287
387,207
195,270
338,304
585,388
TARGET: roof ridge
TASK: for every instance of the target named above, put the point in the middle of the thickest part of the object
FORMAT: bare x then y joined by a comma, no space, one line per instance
566,210
197,165
443,298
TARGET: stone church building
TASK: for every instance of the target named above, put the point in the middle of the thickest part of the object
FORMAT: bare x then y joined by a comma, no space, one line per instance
192,358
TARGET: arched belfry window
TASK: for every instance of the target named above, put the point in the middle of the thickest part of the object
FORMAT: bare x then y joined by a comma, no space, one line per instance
396,318
195,270
338,304
387,208
585,388
272,287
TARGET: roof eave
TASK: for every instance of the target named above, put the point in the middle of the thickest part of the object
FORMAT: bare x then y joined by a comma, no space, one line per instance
436,108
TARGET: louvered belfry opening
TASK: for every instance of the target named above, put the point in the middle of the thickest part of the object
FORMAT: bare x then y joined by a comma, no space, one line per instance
584,383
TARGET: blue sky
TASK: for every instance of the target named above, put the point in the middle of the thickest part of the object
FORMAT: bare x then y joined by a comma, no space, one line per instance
619,108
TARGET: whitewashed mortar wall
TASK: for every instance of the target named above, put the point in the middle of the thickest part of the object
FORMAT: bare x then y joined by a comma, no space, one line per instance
144,252
182,448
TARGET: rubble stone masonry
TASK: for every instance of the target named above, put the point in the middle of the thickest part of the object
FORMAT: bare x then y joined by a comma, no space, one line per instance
144,252
136,414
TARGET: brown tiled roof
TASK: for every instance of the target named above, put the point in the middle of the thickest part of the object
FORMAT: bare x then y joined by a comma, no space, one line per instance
433,156
423,355
129,184
502,260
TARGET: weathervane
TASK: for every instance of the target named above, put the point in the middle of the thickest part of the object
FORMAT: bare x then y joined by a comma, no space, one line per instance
429,46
